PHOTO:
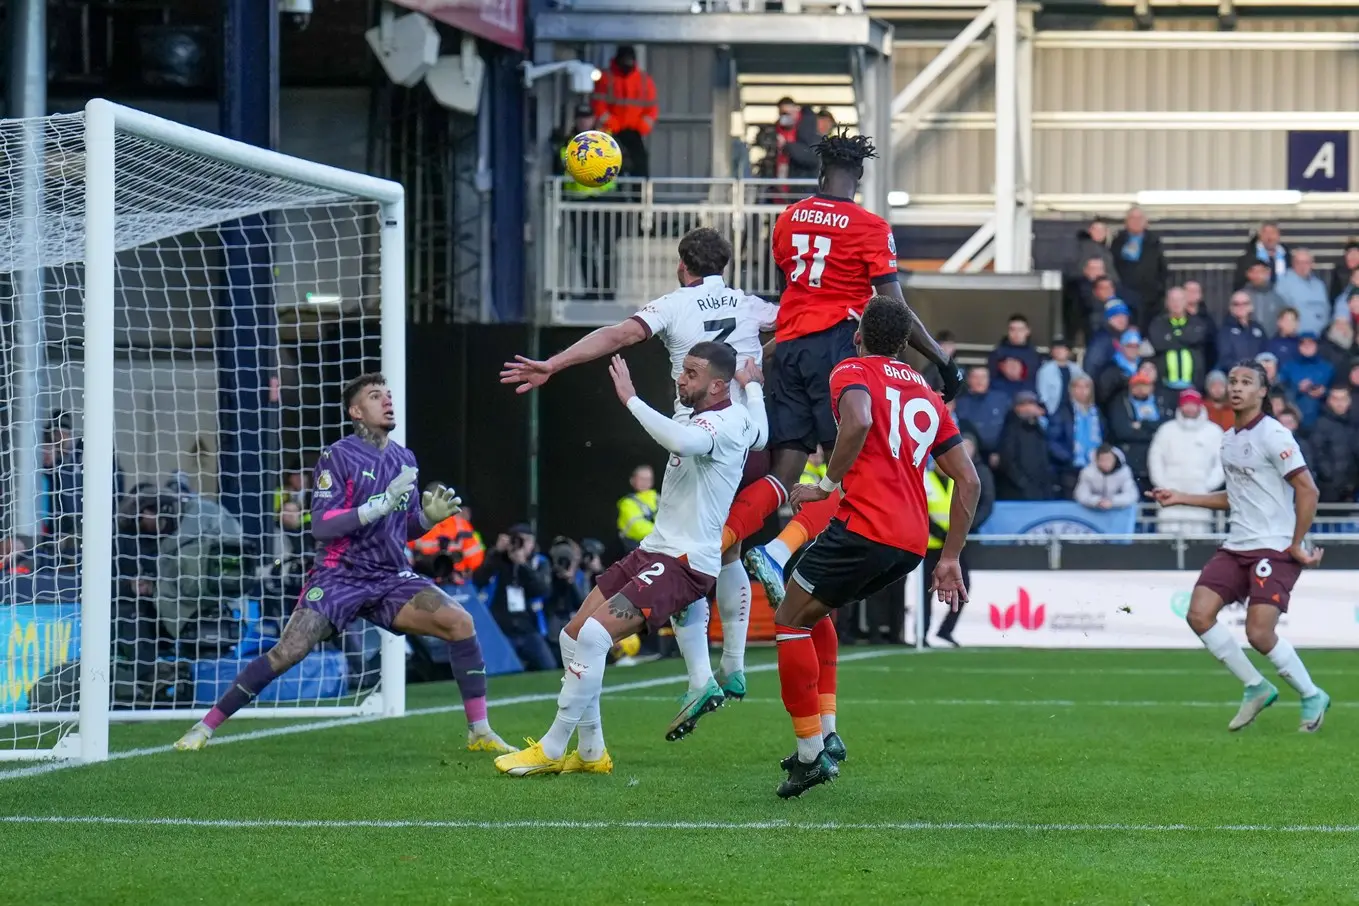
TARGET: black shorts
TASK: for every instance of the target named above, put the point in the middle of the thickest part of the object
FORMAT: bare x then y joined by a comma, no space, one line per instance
841,567
799,407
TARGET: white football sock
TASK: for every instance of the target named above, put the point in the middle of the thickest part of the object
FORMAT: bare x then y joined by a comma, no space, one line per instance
778,552
733,603
581,682
808,747
1286,661
567,646
691,635
1222,646
590,733
827,724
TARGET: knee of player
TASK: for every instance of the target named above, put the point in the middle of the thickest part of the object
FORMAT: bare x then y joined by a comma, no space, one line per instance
1261,636
454,624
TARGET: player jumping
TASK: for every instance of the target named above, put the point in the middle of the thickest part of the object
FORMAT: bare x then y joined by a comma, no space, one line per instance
703,308
834,256
362,518
675,565
1271,499
890,422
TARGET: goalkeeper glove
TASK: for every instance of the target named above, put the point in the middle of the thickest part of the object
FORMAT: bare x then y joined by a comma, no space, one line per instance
439,503
396,492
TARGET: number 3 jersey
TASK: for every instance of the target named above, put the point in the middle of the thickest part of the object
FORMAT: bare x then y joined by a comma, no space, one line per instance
883,493
709,311
832,253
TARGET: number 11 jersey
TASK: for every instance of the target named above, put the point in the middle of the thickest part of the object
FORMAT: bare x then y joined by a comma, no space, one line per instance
832,253
883,494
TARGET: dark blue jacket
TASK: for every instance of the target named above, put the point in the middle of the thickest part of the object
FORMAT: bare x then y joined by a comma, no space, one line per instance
1236,343
1026,354
1099,352
1319,372
986,413
1062,434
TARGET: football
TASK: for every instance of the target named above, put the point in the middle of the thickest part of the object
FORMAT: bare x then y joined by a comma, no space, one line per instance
593,159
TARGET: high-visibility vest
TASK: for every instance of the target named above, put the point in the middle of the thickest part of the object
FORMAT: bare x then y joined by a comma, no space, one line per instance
812,474
573,188
636,514
623,102
462,539
938,499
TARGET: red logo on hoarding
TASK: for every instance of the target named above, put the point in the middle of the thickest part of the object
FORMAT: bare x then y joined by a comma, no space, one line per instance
1028,616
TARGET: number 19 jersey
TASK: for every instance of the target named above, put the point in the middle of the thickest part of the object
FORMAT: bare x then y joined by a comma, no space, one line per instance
832,252
883,493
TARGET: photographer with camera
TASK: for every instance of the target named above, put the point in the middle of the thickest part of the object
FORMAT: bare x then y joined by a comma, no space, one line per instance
451,552
514,589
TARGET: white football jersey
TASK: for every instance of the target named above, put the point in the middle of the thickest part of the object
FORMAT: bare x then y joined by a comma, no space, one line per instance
1258,461
697,491
711,311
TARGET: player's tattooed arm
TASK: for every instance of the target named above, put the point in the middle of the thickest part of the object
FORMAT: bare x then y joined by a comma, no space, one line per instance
305,630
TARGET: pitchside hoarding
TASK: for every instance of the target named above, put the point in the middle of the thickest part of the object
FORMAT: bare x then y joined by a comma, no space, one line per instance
1107,609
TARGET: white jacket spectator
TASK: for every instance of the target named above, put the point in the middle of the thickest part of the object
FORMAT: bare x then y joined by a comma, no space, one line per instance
1186,454
1106,483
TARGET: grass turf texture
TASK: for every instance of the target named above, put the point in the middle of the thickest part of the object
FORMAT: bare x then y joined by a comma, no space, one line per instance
973,777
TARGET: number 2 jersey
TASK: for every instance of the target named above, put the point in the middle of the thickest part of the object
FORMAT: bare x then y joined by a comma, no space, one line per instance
832,253
883,493
709,311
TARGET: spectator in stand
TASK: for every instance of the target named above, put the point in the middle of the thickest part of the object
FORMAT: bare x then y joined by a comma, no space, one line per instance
1092,242
1180,342
1127,357
637,509
1017,345
293,511
1306,377
515,589
1193,300
1270,362
1134,416
1186,452
1345,268
798,132
624,103
1335,441
1304,291
1241,336
1143,273
1264,248
983,407
1075,431
1106,483
1012,376
1284,343
1346,305
949,345
1265,302
1215,400
1082,313
1337,344
1289,418
986,501
1056,374
825,122
1099,351
1026,471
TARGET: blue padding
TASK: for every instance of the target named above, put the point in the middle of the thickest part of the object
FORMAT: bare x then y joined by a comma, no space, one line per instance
321,675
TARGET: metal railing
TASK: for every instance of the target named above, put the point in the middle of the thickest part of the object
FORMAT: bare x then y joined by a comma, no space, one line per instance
618,249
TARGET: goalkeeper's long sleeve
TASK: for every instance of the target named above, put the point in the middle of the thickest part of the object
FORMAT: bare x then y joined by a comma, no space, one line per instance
680,439
760,418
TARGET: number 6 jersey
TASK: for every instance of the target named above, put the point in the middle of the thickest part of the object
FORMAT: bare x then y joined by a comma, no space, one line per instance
883,493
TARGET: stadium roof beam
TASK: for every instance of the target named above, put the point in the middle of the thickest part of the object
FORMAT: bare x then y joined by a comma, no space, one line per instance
735,29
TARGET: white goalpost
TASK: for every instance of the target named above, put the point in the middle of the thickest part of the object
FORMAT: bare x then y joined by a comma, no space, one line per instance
178,313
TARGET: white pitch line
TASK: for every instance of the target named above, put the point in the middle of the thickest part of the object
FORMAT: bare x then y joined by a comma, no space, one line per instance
548,824
935,666
991,702
47,767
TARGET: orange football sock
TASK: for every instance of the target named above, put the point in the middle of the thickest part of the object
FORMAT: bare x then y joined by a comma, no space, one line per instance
827,643
756,503
798,679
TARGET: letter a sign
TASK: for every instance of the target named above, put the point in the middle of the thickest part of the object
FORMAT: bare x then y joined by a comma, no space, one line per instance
1319,161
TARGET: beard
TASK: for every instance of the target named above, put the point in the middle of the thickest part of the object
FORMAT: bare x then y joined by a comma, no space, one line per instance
695,398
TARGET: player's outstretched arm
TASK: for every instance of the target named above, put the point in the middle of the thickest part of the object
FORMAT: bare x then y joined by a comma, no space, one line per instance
329,522
750,377
682,440
531,373
1167,497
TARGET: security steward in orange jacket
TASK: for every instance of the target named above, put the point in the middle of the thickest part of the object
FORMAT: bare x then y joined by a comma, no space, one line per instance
450,551
624,102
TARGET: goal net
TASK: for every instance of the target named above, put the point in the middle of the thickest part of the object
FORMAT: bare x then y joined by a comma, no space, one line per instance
178,313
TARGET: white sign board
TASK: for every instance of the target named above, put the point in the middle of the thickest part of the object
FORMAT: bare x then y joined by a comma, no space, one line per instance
1109,609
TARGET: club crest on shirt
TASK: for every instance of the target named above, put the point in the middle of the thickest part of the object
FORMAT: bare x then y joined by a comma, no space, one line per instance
1286,453
316,594
324,481
892,244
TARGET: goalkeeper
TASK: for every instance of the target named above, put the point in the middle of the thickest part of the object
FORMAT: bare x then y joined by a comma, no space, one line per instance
362,519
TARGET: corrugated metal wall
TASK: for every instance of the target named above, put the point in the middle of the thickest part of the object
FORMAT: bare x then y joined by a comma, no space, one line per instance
960,159
682,144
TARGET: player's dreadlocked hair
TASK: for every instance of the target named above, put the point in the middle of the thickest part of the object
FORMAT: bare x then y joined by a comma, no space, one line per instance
841,151
1261,374
885,326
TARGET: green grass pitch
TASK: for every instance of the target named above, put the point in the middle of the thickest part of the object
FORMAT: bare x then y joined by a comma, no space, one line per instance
973,777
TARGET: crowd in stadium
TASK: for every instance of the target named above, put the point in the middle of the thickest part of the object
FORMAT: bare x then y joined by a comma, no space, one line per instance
1146,404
